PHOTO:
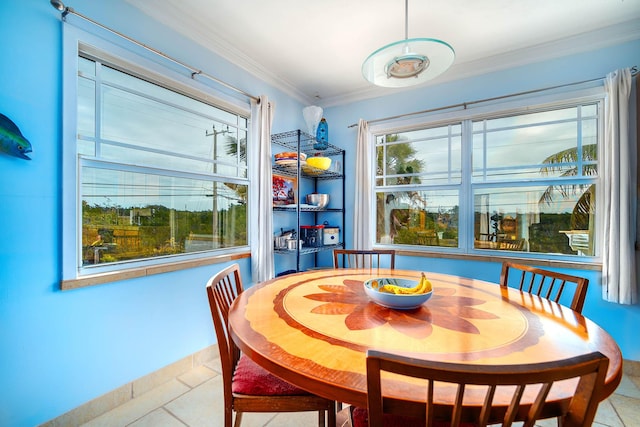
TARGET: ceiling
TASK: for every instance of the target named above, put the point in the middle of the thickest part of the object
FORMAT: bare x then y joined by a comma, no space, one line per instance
313,50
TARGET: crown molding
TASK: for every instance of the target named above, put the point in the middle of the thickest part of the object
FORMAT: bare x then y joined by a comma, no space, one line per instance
227,51
580,43
182,21
588,41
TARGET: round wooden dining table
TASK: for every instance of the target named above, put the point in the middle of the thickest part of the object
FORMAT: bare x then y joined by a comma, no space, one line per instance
314,328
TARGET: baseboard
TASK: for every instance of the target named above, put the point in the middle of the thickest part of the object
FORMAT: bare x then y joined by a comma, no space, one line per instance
126,392
121,395
631,367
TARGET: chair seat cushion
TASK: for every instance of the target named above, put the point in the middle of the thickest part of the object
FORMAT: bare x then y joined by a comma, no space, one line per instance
249,378
360,418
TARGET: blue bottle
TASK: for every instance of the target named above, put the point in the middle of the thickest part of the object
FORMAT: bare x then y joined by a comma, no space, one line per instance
322,136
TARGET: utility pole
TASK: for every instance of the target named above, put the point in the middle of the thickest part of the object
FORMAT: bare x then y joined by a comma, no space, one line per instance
215,134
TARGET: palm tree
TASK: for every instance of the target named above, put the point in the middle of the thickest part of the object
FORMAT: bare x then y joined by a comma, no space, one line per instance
585,205
400,159
232,147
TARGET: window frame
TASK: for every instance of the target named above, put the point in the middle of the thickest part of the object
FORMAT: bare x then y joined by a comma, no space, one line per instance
140,63
489,110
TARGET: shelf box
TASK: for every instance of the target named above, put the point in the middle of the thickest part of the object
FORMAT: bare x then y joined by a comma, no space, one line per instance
331,235
312,235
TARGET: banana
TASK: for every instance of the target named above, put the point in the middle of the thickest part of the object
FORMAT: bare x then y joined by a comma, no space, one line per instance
423,286
418,288
427,287
390,289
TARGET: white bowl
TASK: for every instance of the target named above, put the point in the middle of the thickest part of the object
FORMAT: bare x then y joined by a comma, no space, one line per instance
396,301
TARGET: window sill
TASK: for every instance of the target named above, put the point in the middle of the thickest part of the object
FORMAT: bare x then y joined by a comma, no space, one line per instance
101,278
591,265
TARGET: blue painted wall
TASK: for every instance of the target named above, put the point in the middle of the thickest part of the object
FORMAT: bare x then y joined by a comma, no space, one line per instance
59,350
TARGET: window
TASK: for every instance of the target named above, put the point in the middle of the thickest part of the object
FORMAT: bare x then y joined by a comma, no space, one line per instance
522,180
161,170
418,182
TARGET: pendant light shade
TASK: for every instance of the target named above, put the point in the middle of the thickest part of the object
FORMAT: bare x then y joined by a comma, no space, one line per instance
408,62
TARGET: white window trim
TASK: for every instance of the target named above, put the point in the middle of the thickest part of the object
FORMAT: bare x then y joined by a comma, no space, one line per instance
509,106
76,40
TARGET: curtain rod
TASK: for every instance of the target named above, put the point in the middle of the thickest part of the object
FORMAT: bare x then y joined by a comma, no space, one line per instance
59,5
634,71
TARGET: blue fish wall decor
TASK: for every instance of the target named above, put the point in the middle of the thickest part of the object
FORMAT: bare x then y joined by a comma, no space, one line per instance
11,140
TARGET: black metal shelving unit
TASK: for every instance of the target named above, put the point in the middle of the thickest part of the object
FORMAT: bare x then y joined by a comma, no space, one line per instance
301,142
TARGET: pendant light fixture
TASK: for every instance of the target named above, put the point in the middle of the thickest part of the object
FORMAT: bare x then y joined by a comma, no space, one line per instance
408,62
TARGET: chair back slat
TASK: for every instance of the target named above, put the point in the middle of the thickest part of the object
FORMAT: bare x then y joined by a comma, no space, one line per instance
483,421
549,289
375,258
560,289
545,283
518,380
457,407
538,405
512,410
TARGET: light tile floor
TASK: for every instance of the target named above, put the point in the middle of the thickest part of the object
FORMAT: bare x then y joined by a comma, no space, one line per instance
195,400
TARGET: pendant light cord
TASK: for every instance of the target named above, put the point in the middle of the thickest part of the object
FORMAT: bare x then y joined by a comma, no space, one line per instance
406,19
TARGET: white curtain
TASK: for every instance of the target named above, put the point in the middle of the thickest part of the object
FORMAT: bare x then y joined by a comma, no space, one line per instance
261,199
620,180
362,239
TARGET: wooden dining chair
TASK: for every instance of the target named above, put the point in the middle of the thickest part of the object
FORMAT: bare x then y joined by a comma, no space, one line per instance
506,382
545,283
374,258
247,386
